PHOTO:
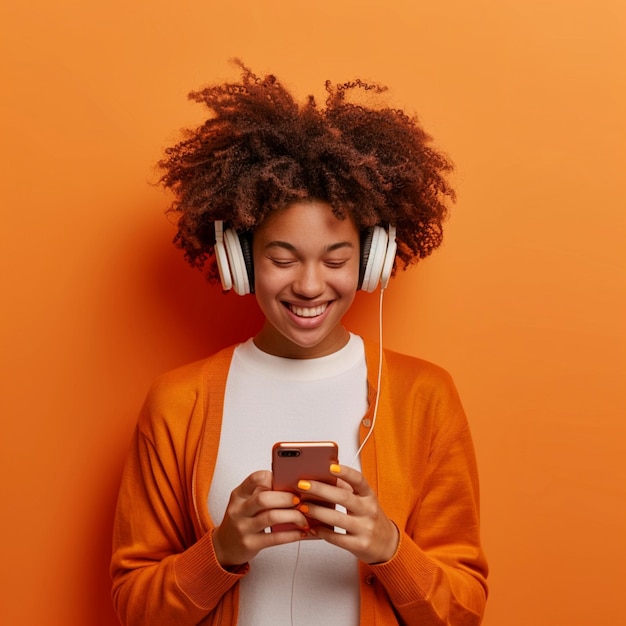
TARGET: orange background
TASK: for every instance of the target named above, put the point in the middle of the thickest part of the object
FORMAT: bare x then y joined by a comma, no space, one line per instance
525,304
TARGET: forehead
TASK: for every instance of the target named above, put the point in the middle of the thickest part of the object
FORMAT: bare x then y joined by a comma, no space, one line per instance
306,220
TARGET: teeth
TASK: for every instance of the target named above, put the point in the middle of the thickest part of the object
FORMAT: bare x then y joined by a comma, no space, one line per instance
307,311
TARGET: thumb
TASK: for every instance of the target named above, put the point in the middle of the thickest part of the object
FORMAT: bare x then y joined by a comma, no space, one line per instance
260,480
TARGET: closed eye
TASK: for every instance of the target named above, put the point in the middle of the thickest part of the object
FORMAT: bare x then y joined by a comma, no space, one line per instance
281,262
336,264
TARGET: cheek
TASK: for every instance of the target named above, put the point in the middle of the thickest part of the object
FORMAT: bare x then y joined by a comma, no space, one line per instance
346,281
350,280
268,287
264,289
346,290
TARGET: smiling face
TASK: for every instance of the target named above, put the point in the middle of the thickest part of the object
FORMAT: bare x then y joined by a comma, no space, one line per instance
306,264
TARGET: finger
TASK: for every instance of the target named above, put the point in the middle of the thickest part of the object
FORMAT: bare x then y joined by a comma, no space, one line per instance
369,542
275,500
234,548
279,538
338,518
324,514
353,477
267,501
260,480
251,496
282,519
332,494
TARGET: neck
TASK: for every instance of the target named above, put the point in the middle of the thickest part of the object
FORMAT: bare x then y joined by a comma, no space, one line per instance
270,341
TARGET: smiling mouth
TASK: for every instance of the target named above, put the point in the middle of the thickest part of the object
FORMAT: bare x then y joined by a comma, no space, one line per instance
301,311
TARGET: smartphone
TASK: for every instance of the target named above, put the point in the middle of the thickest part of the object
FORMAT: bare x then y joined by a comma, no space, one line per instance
308,460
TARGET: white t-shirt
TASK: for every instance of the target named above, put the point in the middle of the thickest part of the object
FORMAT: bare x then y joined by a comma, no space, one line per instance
270,399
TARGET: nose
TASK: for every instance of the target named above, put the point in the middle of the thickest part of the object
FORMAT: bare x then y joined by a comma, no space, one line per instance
309,282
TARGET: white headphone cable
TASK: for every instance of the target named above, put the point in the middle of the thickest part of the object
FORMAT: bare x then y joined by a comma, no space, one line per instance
293,582
379,377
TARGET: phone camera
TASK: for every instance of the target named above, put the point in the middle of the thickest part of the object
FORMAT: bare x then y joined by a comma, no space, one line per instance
290,453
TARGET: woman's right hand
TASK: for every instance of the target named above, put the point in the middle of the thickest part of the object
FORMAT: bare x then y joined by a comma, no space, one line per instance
253,507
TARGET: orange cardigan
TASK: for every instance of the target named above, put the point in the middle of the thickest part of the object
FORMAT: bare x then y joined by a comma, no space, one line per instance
419,460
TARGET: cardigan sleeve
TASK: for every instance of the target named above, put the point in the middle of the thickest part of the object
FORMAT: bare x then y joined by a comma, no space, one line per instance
163,571
438,575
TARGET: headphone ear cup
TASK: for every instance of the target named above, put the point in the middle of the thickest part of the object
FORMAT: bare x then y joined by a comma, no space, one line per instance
373,265
378,252
236,262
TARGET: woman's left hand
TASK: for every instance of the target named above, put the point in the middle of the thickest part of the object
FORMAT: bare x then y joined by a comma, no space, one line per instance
370,535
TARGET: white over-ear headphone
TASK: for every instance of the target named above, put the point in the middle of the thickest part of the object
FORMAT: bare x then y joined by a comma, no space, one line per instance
234,260
233,253
378,252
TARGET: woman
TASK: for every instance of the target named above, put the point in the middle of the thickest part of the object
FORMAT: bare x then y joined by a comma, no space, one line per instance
300,206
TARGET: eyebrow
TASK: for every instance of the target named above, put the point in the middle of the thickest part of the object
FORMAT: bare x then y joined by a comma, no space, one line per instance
288,246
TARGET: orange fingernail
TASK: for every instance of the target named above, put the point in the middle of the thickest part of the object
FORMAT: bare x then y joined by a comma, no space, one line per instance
303,508
335,469
296,500
304,485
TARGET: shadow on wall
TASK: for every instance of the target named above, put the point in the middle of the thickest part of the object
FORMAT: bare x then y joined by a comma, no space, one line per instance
200,315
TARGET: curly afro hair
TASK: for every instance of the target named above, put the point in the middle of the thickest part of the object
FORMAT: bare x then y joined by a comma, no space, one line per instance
260,151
